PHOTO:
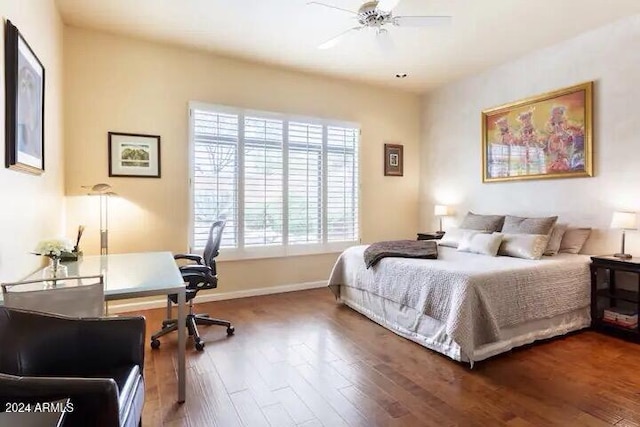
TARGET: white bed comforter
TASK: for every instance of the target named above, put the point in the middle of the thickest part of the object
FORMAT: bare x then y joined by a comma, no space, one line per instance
474,296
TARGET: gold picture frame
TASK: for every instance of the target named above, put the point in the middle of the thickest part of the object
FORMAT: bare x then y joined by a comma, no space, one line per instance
541,137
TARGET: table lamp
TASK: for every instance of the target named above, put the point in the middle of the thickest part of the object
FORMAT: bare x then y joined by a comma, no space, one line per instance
440,211
624,221
104,192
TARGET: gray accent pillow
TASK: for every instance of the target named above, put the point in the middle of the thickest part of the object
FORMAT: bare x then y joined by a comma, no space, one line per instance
527,246
555,238
573,240
522,225
488,223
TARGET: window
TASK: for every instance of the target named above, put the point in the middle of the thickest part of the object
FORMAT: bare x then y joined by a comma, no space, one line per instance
285,183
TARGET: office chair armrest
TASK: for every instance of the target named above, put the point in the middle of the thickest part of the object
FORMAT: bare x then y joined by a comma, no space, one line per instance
50,345
93,399
191,257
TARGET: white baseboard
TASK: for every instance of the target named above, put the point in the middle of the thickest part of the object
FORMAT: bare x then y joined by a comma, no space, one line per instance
115,307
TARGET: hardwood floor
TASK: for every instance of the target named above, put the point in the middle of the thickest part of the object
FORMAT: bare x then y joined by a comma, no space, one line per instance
301,359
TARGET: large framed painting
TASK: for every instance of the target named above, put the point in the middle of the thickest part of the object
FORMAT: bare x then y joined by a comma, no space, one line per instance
134,155
24,104
546,136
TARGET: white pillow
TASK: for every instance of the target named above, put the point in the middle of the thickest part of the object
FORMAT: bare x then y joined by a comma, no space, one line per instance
481,243
527,246
452,237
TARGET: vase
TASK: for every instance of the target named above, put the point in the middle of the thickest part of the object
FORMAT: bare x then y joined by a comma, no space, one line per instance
53,272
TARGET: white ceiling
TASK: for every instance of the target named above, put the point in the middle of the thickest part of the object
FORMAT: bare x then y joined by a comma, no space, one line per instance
286,32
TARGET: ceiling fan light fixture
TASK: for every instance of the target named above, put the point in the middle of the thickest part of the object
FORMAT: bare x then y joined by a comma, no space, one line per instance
401,76
376,14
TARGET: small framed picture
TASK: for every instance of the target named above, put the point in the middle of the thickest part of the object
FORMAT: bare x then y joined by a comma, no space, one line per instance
24,108
134,155
393,160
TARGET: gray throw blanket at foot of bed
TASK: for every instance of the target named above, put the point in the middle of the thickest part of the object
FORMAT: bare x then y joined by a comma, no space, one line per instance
427,249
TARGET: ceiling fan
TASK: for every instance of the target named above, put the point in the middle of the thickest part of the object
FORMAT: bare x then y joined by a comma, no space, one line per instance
376,15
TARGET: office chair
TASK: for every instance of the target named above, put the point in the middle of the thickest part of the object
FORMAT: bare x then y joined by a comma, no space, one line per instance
199,276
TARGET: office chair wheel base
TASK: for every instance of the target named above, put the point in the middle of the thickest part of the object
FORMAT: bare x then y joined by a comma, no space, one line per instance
230,330
155,344
199,345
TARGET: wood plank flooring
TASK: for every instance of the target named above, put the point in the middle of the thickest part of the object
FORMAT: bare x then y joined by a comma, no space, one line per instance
301,359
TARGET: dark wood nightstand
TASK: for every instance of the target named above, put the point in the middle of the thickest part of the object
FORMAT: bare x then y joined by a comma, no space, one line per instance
608,294
432,235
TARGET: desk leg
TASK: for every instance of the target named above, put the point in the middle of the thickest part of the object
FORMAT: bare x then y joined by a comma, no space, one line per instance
182,342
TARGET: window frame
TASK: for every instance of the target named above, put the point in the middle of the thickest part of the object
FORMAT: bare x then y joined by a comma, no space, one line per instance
277,251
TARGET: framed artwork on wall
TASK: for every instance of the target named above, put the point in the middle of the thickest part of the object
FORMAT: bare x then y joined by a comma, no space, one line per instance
393,160
24,104
134,155
545,136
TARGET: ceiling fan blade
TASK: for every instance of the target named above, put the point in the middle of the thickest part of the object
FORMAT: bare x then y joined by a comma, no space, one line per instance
332,7
422,21
387,5
337,39
385,42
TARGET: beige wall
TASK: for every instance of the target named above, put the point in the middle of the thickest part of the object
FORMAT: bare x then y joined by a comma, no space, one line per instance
120,84
451,147
33,206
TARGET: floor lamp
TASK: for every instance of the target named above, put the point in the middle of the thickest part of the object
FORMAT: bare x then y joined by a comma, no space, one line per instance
104,192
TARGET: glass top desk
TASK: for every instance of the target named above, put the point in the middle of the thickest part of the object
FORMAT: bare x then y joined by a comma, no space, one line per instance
136,275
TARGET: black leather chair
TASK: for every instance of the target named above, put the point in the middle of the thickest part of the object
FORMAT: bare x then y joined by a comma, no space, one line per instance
95,362
199,276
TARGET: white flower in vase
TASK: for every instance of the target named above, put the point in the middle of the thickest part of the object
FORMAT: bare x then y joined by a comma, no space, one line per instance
53,248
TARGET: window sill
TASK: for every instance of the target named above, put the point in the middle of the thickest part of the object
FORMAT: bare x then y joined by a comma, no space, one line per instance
280,251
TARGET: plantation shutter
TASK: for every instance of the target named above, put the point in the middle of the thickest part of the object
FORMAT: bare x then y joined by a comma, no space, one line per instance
305,183
342,184
215,175
263,186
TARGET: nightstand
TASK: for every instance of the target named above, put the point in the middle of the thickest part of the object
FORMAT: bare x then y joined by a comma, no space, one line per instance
615,296
431,235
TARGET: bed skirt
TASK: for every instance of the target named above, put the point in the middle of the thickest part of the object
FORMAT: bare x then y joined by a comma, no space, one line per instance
431,334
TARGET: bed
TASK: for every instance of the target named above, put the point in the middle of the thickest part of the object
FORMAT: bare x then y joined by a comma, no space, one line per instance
466,306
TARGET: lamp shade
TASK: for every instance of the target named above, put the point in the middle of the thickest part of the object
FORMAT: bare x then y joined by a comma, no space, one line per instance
624,220
100,188
440,210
